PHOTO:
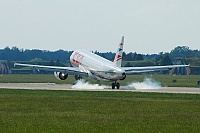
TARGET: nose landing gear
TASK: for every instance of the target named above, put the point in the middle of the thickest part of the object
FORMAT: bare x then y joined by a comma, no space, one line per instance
115,84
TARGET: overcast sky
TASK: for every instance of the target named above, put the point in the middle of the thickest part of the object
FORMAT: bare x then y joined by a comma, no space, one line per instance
149,26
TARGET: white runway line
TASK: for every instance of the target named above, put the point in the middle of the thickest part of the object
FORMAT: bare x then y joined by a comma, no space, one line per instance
52,86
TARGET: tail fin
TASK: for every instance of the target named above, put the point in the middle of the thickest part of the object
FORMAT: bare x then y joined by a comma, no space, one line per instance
118,56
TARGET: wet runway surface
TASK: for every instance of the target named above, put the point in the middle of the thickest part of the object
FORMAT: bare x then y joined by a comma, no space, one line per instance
52,86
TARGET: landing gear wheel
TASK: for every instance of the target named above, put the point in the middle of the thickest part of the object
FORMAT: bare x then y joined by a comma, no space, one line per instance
117,85
78,78
113,85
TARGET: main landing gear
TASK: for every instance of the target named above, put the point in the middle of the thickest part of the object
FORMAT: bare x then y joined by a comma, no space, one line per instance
115,84
78,78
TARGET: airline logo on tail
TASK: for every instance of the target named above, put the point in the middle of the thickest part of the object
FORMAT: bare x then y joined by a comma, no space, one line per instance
118,56
120,47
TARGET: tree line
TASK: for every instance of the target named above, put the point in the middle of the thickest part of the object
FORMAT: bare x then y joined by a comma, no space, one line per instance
55,57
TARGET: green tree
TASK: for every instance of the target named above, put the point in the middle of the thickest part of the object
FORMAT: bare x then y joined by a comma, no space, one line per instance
164,60
128,64
58,62
52,63
128,57
181,51
138,57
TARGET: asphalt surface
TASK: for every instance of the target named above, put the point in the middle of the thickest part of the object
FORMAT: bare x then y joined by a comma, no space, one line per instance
52,86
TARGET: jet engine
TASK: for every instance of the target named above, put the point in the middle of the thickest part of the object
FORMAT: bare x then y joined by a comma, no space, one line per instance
124,76
60,76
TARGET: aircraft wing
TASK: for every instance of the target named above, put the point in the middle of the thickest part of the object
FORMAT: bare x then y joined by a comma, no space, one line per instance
131,70
69,70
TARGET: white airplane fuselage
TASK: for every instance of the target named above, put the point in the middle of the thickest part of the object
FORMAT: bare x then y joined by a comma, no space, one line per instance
97,67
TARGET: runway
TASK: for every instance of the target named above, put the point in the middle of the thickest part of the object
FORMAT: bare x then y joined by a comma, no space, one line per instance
52,86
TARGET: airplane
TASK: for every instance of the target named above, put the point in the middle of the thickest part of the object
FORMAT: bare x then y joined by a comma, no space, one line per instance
88,64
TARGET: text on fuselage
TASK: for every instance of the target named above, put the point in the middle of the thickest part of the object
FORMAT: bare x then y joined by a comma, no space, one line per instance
77,58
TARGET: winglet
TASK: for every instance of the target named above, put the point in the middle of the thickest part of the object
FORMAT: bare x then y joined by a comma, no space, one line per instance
118,56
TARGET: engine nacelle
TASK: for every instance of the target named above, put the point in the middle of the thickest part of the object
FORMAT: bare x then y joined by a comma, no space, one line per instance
124,76
60,76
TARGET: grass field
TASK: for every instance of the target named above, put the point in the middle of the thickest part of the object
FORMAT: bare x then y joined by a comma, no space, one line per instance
165,80
77,111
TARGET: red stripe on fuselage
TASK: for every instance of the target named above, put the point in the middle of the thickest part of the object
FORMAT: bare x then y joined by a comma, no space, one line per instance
76,62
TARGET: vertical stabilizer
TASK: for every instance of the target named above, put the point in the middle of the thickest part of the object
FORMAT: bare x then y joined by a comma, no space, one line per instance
118,56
